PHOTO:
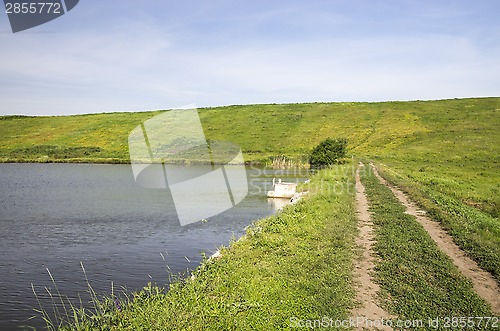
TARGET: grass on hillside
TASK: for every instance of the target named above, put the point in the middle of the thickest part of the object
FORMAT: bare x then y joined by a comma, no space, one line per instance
290,267
80,138
451,145
418,281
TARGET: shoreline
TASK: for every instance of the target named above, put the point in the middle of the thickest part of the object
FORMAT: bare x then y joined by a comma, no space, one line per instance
255,267
127,162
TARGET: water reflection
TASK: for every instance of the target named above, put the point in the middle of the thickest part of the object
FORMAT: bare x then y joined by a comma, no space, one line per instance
278,203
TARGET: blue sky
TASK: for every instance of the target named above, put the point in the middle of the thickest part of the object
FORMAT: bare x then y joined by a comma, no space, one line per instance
124,55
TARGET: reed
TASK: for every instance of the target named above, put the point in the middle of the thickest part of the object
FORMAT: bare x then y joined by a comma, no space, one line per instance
286,162
64,314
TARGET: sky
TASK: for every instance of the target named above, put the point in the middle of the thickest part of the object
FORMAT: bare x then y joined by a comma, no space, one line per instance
129,55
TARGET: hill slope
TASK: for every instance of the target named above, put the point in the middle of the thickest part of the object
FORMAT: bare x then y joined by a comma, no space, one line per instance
451,144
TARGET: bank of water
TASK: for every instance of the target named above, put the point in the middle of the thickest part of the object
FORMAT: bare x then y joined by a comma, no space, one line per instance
57,215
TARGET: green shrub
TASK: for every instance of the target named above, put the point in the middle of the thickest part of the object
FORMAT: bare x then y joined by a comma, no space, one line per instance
328,152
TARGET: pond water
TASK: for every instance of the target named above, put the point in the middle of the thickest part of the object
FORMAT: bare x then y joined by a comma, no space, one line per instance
57,216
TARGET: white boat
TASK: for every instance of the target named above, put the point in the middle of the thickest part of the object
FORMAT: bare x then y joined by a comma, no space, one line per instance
282,189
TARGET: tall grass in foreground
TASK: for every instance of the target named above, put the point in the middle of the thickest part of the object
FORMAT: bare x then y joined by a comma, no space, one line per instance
418,281
64,314
295,265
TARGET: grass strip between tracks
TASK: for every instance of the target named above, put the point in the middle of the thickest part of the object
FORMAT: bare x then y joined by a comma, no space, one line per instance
418,281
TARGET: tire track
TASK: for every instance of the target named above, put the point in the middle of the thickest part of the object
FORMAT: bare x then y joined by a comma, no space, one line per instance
484,283
366,293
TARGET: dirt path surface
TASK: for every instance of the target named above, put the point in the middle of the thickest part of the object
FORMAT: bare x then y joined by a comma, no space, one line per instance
366,294
484,283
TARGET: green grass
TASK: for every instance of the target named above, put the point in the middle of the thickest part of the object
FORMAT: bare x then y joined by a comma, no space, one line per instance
418,281
473,230
81,138
296,264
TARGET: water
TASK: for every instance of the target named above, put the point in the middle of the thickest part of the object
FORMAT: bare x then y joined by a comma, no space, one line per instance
56,216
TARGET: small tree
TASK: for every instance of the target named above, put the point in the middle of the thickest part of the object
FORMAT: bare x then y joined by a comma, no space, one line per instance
328,152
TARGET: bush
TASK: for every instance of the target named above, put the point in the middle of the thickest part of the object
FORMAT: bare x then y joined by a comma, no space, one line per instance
328,152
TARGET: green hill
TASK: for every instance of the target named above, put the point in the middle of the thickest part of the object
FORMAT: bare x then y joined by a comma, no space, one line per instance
449,144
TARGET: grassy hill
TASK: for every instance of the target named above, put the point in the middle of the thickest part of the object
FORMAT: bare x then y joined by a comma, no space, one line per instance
451,145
